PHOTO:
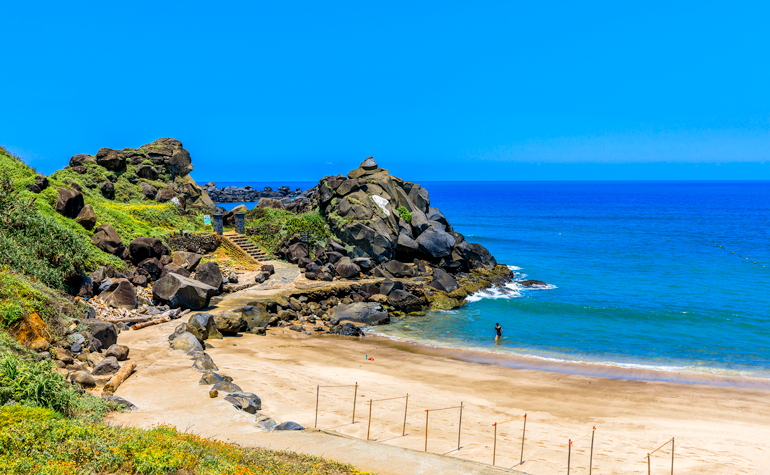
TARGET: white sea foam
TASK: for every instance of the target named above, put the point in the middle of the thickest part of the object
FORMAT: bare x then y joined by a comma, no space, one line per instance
511,290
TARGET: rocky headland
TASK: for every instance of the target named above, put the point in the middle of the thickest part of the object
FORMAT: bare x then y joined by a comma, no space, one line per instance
356,250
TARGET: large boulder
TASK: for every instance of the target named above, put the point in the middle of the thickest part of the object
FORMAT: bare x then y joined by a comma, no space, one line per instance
230,323
187,342
209,274
178,291
114,160
442,280
288,426
120,294
188,260
143,248
69,202
102,331
248,402
81,159
297,251
83,379
152,267
404,301
86,217
108,190
120,352
204,326
361,312
148,172
108,365
436,243
399,269
255,316
346,269
106,239
348,329
149,191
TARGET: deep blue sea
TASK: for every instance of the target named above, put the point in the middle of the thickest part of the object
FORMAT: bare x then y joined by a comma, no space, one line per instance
637,275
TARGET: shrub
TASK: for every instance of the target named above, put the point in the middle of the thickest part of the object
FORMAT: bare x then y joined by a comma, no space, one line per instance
39,245
40,441
19,297
405,214
268,227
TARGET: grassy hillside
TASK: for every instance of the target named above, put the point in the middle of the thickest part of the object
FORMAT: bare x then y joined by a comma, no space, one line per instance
129,213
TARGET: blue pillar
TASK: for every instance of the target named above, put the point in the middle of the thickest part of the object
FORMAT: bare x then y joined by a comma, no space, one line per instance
217,223
240,222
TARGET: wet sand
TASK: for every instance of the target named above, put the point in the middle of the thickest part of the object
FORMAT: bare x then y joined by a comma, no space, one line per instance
718,429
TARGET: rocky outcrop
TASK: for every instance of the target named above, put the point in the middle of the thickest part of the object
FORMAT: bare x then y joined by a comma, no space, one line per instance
361,312
385,219
163,160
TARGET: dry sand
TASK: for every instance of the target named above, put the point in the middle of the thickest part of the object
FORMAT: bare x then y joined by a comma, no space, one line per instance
718,429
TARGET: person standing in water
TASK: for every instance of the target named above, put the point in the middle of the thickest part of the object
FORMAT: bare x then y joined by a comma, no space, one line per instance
499,331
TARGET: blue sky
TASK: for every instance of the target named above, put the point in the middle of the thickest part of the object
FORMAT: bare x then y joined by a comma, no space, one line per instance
434,91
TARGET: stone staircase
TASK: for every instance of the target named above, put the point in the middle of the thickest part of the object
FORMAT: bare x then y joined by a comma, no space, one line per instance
245,246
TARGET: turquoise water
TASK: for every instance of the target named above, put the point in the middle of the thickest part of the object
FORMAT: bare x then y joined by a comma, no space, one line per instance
636,277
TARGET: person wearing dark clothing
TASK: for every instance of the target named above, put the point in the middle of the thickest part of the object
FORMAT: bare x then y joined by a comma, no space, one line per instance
499,331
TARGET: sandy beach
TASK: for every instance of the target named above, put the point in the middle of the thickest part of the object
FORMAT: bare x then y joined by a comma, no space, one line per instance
718,429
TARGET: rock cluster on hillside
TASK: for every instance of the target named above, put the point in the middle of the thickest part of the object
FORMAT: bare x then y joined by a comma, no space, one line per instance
386,218
161,169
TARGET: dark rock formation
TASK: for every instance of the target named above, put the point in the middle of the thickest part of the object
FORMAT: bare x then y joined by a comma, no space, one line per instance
143,248
104,332
248,402
204,326
209,274
178,291
120,294
69,203
106,239
86,217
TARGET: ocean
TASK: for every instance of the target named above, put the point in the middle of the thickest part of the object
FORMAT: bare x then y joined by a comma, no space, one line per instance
666,276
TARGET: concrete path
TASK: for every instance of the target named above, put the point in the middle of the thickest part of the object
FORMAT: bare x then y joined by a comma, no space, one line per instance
375,457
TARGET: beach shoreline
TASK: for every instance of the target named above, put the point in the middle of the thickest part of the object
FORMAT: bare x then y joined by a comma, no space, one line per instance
593,369
719,429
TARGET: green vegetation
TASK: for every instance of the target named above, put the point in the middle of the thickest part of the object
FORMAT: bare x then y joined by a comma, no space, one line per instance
40,441
271,226
37,241
405,214
38,245
21,297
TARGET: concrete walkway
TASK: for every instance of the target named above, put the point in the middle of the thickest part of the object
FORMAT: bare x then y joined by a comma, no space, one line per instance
375,457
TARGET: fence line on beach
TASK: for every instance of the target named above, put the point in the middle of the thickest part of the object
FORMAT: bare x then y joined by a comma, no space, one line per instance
571,442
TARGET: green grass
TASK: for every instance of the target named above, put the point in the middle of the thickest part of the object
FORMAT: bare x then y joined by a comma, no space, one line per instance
36,240
405,214
40,441
274,225
20,297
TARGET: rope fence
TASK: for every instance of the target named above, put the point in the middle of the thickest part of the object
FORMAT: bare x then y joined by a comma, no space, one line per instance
649,467
523,436
591,458
459,430
318,396
406,406
461,407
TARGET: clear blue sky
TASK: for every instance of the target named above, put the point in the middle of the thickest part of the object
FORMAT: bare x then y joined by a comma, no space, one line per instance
434,91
